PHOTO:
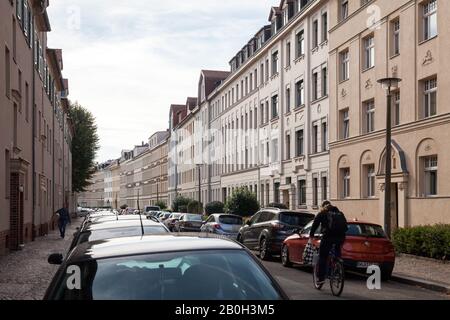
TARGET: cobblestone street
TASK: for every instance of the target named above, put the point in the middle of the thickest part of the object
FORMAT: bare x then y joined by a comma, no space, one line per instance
25,274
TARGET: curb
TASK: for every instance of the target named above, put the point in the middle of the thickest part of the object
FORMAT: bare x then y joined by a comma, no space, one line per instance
430,285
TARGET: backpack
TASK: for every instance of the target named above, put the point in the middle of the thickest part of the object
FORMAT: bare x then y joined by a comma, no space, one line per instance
337,223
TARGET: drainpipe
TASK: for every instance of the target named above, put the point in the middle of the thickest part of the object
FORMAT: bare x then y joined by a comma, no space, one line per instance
33,129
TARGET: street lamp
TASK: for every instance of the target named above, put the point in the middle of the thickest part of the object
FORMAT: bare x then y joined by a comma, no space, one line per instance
389,84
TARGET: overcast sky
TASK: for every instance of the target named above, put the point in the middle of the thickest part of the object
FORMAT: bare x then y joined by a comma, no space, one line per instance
127,61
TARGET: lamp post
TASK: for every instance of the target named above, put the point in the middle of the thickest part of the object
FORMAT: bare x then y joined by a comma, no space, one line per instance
199,184
388,84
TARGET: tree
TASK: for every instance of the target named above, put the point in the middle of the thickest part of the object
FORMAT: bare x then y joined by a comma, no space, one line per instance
195,206
180,204
214,207
161,204
242,202
84,146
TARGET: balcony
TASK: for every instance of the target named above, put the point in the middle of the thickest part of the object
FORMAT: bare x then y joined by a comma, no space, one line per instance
298,163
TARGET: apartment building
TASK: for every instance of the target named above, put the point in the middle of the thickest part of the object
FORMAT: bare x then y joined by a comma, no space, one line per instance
35,131
370,40
95,196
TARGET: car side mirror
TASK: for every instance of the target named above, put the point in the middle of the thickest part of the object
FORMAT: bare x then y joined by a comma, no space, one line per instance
55,258
248,223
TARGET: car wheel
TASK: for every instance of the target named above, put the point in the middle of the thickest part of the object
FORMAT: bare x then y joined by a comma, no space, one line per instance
285,256
263,251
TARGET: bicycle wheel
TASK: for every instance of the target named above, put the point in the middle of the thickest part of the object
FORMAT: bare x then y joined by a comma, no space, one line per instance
316,277
337,278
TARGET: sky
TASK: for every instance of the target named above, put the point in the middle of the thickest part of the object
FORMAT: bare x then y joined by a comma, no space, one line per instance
128,61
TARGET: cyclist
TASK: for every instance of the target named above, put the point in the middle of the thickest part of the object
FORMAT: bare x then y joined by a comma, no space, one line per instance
333,228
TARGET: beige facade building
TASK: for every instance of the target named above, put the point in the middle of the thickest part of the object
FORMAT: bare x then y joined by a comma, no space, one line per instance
35,132
373,40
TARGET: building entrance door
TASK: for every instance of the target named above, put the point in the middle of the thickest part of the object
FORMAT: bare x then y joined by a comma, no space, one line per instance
16,211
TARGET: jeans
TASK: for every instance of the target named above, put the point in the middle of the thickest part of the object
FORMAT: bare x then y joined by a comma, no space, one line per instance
62,228
324,252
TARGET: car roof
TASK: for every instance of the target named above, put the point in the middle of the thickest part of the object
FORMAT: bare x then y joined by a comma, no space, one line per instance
120,224
277,210
150,244
225,214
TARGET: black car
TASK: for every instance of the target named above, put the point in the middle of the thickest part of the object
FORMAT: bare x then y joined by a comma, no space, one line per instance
162,267
117,229
189,223
268,228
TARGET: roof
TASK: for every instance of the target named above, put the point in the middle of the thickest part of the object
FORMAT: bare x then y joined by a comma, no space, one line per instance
274,11
150,244
212,79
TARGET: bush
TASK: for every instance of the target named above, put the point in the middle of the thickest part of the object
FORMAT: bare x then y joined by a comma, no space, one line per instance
277,205
242,202
214,207
195,207
426,241
180,203
161,204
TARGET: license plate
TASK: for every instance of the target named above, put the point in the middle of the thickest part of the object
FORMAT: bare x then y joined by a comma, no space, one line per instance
366,264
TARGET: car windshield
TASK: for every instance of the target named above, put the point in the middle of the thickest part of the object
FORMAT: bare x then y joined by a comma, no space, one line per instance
295,219
193,217
119,233
151,209
192,275
365,230
230,220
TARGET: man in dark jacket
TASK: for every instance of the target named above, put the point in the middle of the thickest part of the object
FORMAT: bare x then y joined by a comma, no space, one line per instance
63,220
331,235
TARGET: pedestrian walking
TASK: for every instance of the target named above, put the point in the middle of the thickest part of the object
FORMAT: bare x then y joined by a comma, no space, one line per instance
63,219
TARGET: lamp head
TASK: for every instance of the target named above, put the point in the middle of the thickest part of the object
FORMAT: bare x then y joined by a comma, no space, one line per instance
390,83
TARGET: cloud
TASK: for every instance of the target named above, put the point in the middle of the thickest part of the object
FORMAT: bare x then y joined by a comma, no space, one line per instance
128,61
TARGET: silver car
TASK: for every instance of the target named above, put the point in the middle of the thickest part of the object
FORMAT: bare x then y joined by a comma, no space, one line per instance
223,224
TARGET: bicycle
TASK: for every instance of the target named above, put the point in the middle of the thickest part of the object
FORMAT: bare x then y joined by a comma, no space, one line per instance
335,273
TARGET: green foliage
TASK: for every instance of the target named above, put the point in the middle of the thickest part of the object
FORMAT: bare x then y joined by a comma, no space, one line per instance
161,204
195,207
180,203
277,205
427,241
242,202
214,207
84,146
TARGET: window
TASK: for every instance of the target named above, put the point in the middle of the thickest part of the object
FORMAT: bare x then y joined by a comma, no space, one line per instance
274,63
256,78
430,96
344,9
27,102
14,38
315,191
346,182
7,173
276,190
324,136
288,54
324,81
369,171
262,73
315,137
345,65
274,106
430,19
7,73
315,34
299,137
369,110
430,175
267,111
288,147
324,188
324,27
396,108
262,114
267,70
274,157
315,85
396,37
345,118
19,9
300,43
302,192
300,93
369,52
15,125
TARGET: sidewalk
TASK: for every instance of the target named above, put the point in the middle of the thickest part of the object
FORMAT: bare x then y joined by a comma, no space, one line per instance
429,273
26,274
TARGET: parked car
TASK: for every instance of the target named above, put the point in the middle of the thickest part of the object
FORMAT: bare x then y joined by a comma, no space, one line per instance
117,229
170,267
189,223
267,229
365,244
152,210
223,224
163,216
170,222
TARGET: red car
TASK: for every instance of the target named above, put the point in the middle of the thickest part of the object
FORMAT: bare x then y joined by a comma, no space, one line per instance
365,244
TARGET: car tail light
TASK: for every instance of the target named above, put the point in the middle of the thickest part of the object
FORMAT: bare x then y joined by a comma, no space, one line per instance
217,226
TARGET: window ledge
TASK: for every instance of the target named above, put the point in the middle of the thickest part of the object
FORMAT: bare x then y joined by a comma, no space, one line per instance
427,40
315,49
298,108
287,68
394,56
367,69
343,81
299,59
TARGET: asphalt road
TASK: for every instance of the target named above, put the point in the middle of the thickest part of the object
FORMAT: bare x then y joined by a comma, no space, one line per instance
297,283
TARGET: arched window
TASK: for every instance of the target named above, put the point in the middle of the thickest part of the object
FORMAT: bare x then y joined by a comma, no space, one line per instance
427,167
344,177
